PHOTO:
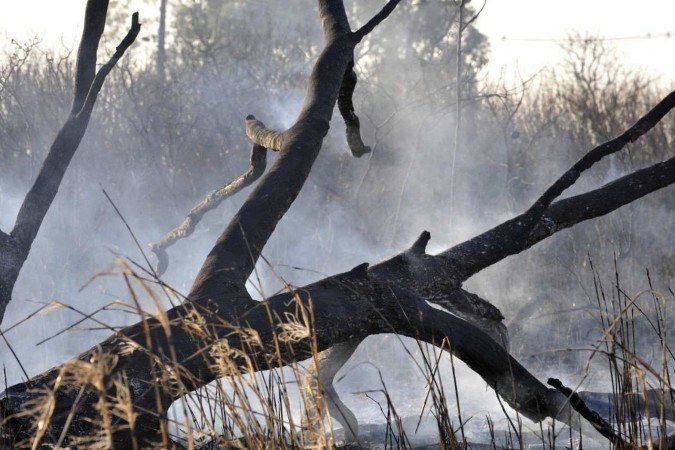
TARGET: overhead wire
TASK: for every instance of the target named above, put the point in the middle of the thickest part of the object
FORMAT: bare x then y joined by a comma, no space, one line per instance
646,36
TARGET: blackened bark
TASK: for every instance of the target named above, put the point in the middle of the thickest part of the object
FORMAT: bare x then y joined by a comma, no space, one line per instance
10,264
236,251
346,107
162,358
591,416
94,25
520,233
363,302
14,249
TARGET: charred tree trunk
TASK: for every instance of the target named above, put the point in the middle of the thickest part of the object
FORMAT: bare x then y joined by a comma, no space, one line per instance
15,246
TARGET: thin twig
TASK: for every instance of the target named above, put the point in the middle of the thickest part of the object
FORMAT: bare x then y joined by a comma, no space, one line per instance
594,418
258,163
377,19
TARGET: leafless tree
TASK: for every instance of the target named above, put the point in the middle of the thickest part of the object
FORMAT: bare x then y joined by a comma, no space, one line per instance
160,359
15,246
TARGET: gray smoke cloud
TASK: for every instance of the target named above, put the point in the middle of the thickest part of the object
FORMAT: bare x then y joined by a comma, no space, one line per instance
159,150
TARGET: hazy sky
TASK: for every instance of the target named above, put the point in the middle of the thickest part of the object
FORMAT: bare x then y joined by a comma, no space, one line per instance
533,20
514,19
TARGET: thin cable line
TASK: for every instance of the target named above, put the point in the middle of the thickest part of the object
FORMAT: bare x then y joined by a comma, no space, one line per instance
647,36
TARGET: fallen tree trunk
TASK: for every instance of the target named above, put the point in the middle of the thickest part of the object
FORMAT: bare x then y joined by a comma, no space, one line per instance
162,359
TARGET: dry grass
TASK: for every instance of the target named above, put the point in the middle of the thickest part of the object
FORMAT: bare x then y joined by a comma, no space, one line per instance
283,408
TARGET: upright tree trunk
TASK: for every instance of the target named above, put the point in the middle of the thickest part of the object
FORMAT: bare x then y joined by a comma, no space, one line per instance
15,246
161,36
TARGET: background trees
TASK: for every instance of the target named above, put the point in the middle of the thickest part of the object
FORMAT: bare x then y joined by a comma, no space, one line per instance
178,139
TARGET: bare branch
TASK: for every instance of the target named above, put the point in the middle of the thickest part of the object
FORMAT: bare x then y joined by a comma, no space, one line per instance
258,163
260,135
16,246
377,19
346,107
610,197
44,189
361,303
235,253
94,25
594,418
103,72
646,123
515,235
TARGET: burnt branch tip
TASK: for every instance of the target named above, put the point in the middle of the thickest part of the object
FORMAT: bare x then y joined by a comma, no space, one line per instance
419,247
377,19
260,135
591,416
103,72
346,107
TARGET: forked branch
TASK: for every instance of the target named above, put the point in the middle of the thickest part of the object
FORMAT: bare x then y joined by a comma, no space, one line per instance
237,250
517,234
377,19
85,70
39,198
103,72
646,123
16,246
598,202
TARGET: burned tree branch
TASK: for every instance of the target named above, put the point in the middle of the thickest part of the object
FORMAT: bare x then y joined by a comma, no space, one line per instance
258,163
163,357
44,189
103,72
260,135
364,302
476,254
598,202
377,19
646,123
515,235
592,417
346,107
39,198
85,71
235,253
